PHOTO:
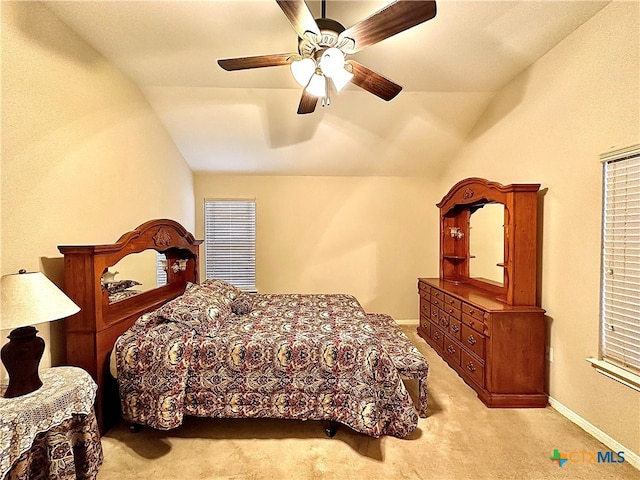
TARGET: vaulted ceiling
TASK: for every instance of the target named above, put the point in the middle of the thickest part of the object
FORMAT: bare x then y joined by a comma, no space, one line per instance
245,121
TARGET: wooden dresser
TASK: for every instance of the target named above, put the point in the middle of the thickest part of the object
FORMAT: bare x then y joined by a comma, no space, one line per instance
496,348
489,331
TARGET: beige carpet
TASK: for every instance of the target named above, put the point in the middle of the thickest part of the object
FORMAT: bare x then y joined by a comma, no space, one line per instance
460,439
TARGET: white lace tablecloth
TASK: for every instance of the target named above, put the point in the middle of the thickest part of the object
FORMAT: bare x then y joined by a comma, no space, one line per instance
65,391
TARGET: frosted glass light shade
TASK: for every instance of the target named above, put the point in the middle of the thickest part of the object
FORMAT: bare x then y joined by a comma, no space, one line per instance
332,65
317,86
341,78
31,298
332,61
302,70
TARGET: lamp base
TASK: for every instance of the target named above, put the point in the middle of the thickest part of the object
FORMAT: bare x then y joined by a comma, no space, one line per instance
21,357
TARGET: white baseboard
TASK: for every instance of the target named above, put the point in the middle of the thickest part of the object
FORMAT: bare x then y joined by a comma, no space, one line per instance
629,456
408,321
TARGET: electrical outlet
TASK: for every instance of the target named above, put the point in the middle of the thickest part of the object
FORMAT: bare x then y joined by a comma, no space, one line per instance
549,354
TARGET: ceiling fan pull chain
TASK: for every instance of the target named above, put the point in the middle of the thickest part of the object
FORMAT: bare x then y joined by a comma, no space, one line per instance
326,100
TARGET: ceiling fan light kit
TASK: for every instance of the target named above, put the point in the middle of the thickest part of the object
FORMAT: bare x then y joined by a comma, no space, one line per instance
317,86
323,46
302,70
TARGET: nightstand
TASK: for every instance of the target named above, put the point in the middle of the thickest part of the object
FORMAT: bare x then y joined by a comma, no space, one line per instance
52,432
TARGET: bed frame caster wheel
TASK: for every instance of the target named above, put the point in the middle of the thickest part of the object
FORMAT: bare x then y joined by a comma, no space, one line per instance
331,429
135,427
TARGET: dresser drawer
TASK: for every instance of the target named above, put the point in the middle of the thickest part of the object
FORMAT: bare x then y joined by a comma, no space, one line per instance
472,311
435,314
451,350
452,302
472,340
424,289
473,368
455,327
453,312
425,308
425,324
437,294
477,325
443,320
436,302
437,335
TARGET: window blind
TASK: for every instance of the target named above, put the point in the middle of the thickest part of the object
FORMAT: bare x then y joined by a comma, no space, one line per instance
161,273
620,286
230,242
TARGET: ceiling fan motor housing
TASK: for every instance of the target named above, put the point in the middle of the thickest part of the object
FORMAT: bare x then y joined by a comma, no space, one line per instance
324,44
329,29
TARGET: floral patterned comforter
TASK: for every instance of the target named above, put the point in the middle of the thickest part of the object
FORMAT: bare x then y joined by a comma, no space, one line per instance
291,356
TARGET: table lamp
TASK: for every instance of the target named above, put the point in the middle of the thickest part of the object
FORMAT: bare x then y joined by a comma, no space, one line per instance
28,299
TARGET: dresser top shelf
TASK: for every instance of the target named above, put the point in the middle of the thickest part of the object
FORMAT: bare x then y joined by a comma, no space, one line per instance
483,299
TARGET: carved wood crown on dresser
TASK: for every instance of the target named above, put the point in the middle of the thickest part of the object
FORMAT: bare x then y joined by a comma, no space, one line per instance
492,333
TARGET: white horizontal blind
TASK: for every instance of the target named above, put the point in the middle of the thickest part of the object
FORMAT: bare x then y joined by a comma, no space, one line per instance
230,241
620,296
161,273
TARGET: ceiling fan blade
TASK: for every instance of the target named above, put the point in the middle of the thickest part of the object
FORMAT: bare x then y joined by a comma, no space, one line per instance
241,63
307,103
392,19
300,17
373,82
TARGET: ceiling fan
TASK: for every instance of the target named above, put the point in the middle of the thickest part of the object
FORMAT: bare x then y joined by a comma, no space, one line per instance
321,64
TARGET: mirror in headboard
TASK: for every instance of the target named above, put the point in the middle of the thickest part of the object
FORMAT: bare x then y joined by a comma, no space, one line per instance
496,224
91,270
134,274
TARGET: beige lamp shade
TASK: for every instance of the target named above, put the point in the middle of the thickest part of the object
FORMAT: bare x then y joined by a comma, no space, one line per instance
31,298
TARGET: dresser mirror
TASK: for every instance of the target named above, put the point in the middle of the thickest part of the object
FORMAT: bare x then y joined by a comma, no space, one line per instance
486,227
486,243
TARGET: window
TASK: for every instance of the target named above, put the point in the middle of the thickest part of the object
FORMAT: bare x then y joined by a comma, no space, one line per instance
230,241
620,276
161,272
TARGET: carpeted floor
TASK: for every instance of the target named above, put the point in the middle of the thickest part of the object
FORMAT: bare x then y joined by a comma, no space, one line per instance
460,439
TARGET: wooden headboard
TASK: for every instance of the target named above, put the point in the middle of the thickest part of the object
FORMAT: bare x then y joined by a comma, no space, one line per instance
91,333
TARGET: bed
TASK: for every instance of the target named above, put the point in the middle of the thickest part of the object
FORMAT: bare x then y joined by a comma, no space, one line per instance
210,350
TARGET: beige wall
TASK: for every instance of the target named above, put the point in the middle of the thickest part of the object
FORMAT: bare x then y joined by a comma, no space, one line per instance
84,158
367,236
549,125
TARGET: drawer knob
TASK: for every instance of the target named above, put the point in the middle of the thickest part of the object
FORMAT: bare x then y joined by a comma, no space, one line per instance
450,349
470,312
471,367
451,310
454,329
471,340
436,336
